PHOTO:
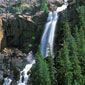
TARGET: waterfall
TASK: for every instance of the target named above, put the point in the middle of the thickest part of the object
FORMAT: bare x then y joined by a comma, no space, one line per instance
46,34
24,76
47,40
7,81
45,47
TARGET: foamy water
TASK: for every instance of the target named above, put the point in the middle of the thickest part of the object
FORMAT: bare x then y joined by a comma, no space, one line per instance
45,47
47,40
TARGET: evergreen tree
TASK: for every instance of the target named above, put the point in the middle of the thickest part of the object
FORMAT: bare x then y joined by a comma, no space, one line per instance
77,73
81,38
66,67
43,5
69,63
50,62
73,53
81,11
40,75
82,50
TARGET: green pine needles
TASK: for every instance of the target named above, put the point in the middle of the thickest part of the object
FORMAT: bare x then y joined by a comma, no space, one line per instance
69,65
70,68
44,5
41,75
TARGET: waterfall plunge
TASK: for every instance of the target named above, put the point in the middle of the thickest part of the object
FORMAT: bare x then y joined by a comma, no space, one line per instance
47,39
24,76
7,81
48,35
46,44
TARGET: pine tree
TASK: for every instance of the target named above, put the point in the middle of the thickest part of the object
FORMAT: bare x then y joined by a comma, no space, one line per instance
81,11
66,68
76,35
69,63
50,62
77,73
41,75
80,47
82,50
80,38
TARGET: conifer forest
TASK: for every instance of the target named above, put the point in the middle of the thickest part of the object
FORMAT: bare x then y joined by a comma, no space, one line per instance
42,42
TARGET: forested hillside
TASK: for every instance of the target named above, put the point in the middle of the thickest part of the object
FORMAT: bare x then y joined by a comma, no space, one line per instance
22,25
67,68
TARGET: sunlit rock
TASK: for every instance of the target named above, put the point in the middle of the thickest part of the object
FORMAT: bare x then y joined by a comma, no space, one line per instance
2,38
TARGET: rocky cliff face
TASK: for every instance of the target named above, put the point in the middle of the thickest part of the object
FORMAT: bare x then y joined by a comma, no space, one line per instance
23,32
56,1
2,36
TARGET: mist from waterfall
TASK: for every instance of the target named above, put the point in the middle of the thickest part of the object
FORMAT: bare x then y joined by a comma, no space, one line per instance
47,40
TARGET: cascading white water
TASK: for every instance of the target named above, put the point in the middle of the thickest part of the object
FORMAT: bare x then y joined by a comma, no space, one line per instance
24,76
46,45
48,35
7,81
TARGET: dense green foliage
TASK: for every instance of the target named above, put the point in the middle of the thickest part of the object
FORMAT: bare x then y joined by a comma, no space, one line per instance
50,62
44,6
69,65
66,66
70,59
40,74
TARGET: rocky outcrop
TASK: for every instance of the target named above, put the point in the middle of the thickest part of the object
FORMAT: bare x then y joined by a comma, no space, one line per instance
56,1
24,32
2,37
11,62
17,31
